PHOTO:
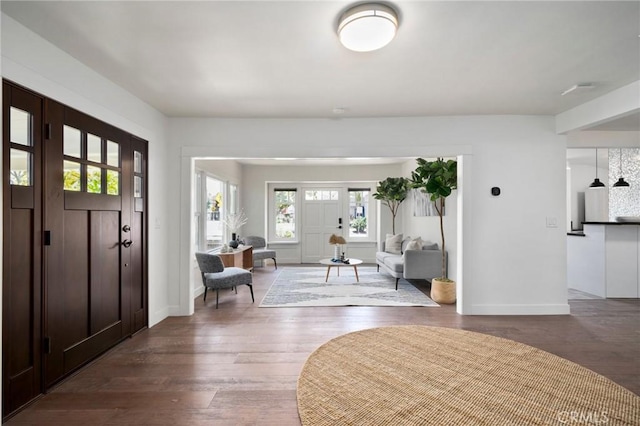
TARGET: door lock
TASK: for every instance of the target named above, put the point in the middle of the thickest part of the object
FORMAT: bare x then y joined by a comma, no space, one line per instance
126,228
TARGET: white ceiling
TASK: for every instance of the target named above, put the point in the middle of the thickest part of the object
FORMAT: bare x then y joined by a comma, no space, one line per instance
283,58
626,123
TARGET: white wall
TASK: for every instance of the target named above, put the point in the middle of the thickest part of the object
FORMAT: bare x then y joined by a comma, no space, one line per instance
254,178
502,150
618,103
254,196
31,61
514,263
226,170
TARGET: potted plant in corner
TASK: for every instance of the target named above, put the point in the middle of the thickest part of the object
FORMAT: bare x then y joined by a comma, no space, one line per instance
392,192
438,178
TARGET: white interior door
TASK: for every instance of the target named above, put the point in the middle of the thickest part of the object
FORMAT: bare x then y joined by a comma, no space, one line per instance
321,209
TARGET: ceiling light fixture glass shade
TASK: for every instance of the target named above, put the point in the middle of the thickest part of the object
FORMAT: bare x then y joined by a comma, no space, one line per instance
367,27
596,182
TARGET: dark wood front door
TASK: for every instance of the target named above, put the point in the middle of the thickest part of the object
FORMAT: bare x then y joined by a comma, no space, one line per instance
87,259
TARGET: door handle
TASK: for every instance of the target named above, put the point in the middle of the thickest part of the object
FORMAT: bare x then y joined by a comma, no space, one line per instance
339,226
127,243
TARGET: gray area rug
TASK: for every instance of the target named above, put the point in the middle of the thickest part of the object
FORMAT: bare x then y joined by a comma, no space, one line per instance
304,286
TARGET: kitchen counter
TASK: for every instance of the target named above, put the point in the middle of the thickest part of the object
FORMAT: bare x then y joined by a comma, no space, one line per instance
606,261
611,223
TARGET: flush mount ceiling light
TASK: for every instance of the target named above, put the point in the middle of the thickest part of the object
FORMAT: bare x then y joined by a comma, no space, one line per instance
367,27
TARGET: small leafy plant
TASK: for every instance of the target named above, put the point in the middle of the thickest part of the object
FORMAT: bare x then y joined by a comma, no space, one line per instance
392,192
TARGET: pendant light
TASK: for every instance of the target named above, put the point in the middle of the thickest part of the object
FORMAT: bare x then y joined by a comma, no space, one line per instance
621,182
596,182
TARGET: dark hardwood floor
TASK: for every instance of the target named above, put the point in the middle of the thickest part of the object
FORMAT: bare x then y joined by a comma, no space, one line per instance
239,364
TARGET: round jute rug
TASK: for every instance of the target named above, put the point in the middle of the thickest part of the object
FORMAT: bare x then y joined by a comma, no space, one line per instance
416,375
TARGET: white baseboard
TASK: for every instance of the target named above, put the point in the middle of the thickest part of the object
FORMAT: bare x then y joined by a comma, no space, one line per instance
174,311
520,309
198,291
159,315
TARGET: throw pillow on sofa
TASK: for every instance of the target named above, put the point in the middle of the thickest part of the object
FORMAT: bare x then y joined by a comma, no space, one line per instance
414,244
393,243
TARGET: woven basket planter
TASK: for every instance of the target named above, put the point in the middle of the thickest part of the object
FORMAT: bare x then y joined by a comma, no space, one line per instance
443,291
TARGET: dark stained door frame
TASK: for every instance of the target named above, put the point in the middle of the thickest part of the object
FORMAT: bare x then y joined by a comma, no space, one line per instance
88,264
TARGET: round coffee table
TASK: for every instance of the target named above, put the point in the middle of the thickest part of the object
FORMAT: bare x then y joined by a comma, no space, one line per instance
331,264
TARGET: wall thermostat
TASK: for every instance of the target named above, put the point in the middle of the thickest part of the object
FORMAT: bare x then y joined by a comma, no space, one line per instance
495,191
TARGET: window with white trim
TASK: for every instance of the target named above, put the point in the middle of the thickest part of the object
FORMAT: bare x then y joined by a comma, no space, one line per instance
213,199
284,218
285,221
359,215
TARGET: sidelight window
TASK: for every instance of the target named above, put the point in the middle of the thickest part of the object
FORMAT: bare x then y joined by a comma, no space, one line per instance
21,127
285,214
358,212
21,151
20,167
138,171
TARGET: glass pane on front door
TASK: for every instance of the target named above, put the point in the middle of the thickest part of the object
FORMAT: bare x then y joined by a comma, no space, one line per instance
20,168
94,148
20,126
113,182
71,138
137,187
71,175
137,162
94,179
113,154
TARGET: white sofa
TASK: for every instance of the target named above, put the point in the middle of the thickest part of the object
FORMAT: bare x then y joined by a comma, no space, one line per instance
424,264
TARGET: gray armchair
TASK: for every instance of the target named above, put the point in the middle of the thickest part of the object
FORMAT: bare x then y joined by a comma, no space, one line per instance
260,250
216,276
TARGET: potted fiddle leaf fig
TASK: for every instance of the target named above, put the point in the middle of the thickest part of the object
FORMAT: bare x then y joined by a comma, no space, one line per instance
392,192
438,179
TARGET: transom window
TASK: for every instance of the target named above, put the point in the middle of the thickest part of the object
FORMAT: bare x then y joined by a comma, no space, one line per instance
321,195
